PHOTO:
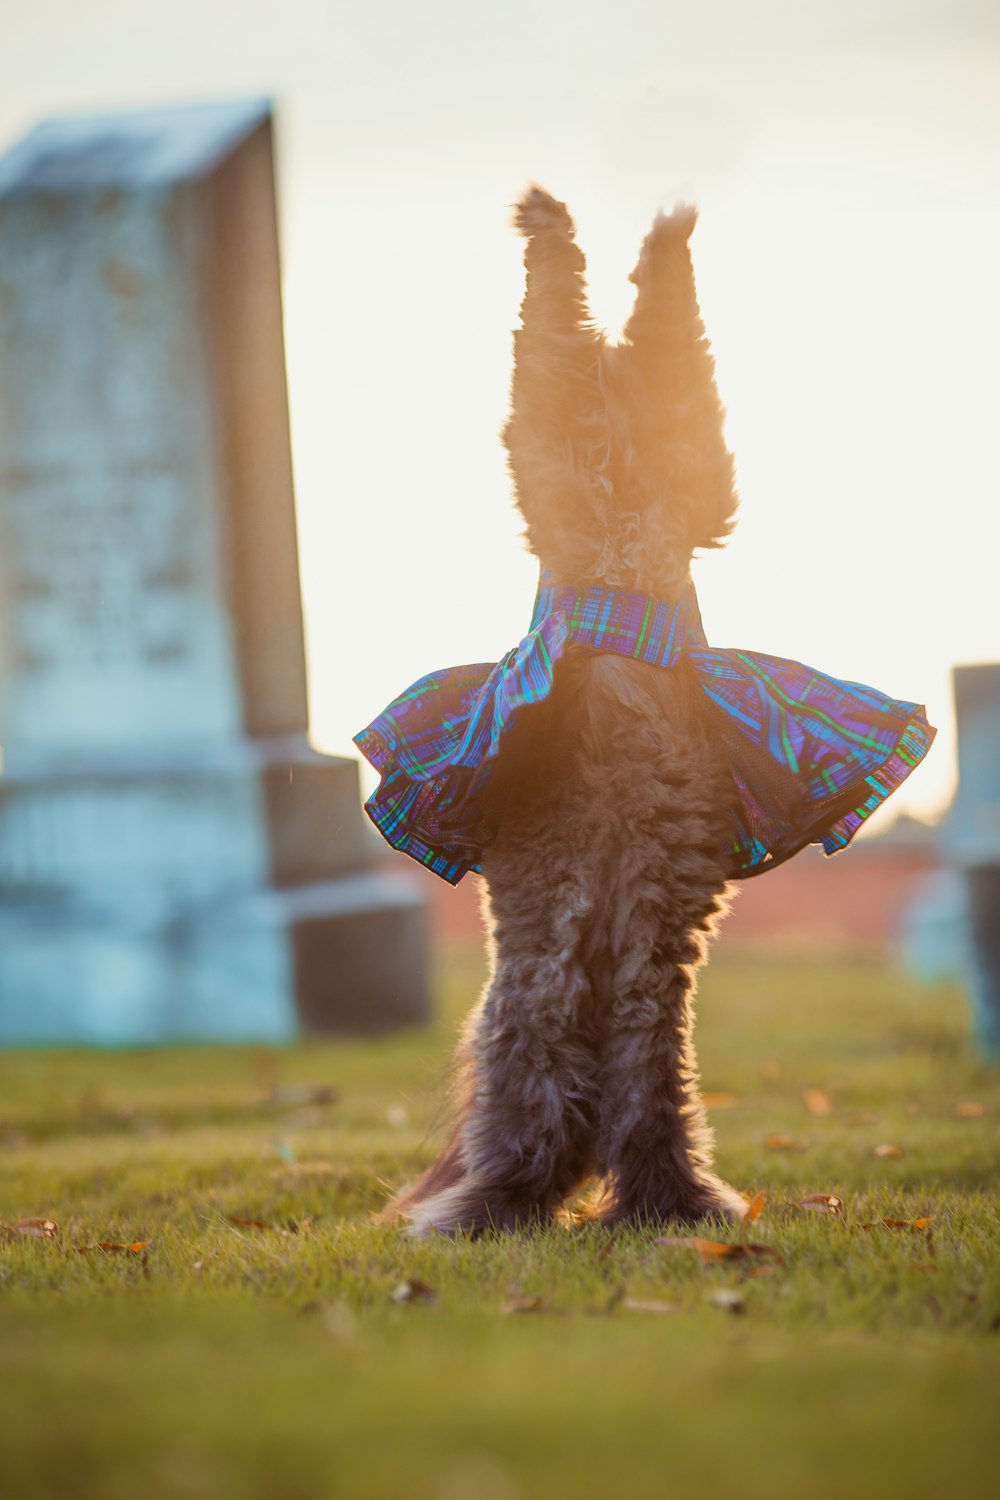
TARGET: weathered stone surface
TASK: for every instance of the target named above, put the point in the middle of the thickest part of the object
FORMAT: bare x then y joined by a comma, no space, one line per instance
157,780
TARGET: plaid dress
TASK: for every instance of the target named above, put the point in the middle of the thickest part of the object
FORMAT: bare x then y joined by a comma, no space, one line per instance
811,757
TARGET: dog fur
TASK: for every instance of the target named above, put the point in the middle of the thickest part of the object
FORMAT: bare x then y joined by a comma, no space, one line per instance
608,806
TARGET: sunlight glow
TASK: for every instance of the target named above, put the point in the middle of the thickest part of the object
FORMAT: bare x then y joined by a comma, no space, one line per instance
844,160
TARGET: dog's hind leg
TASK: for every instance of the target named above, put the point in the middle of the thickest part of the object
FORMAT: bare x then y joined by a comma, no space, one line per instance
654,1144
523,1139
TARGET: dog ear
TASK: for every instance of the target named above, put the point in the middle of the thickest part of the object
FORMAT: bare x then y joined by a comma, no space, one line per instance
555,299
556,435
678,417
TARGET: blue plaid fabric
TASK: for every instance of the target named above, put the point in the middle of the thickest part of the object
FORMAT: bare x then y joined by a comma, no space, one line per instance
811,757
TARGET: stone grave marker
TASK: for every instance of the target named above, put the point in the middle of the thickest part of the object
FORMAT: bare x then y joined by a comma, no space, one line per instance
175,860
972,833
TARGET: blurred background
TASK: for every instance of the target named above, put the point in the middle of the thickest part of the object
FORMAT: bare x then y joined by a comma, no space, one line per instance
846,167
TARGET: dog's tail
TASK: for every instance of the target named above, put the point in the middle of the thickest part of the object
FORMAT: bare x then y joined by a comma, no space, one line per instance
677,415
557,433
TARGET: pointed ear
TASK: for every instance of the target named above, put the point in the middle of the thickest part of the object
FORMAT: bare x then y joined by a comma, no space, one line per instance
555,298
556,434
678,419
663,276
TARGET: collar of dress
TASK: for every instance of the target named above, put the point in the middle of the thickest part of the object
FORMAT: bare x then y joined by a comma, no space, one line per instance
620,621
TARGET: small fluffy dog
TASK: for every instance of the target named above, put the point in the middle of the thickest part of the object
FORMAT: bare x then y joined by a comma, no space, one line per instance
595,782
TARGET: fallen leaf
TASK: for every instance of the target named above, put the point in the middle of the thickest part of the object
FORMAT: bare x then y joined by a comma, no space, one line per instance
886,1149
412,1290
968,1109
518,1305
249,1223
647,1305
816,1102
729,1301
783,1143
111,1247
712,1251
42,1229
822,1203
754,1209
860,1117
723,1099
918,1224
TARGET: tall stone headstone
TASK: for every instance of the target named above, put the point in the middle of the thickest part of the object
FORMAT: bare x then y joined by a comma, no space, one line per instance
973,833
175,861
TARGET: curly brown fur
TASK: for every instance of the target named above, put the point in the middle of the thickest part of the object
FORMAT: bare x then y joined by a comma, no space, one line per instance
605,871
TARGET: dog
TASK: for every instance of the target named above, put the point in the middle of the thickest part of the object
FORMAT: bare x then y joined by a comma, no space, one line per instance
604,827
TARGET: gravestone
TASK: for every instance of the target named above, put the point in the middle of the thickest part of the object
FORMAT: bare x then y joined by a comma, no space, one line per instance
175,860
973,834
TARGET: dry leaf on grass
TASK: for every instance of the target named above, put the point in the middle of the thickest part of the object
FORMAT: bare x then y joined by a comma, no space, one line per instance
722,1099
111,1247
816,1102
251,1223
518,1305
822,1203
754,1209
412,1290
42,1229
784,1143
860,1117
918,1224
886,1149
712,1251
968,1109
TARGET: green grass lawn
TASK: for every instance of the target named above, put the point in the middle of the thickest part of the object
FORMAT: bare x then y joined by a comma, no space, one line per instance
273,1359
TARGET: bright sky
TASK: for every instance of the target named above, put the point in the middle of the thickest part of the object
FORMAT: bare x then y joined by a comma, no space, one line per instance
847,164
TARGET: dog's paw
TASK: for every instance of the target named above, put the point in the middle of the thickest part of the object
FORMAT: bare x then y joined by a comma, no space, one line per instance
470,1209
713,1200
721,1203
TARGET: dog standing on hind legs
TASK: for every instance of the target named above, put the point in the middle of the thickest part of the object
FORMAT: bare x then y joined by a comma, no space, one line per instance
603,878
613,772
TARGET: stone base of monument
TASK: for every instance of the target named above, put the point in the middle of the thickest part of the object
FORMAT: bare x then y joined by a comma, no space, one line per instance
983,892
252,915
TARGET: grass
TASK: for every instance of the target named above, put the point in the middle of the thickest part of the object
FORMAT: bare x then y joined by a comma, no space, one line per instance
227,1360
